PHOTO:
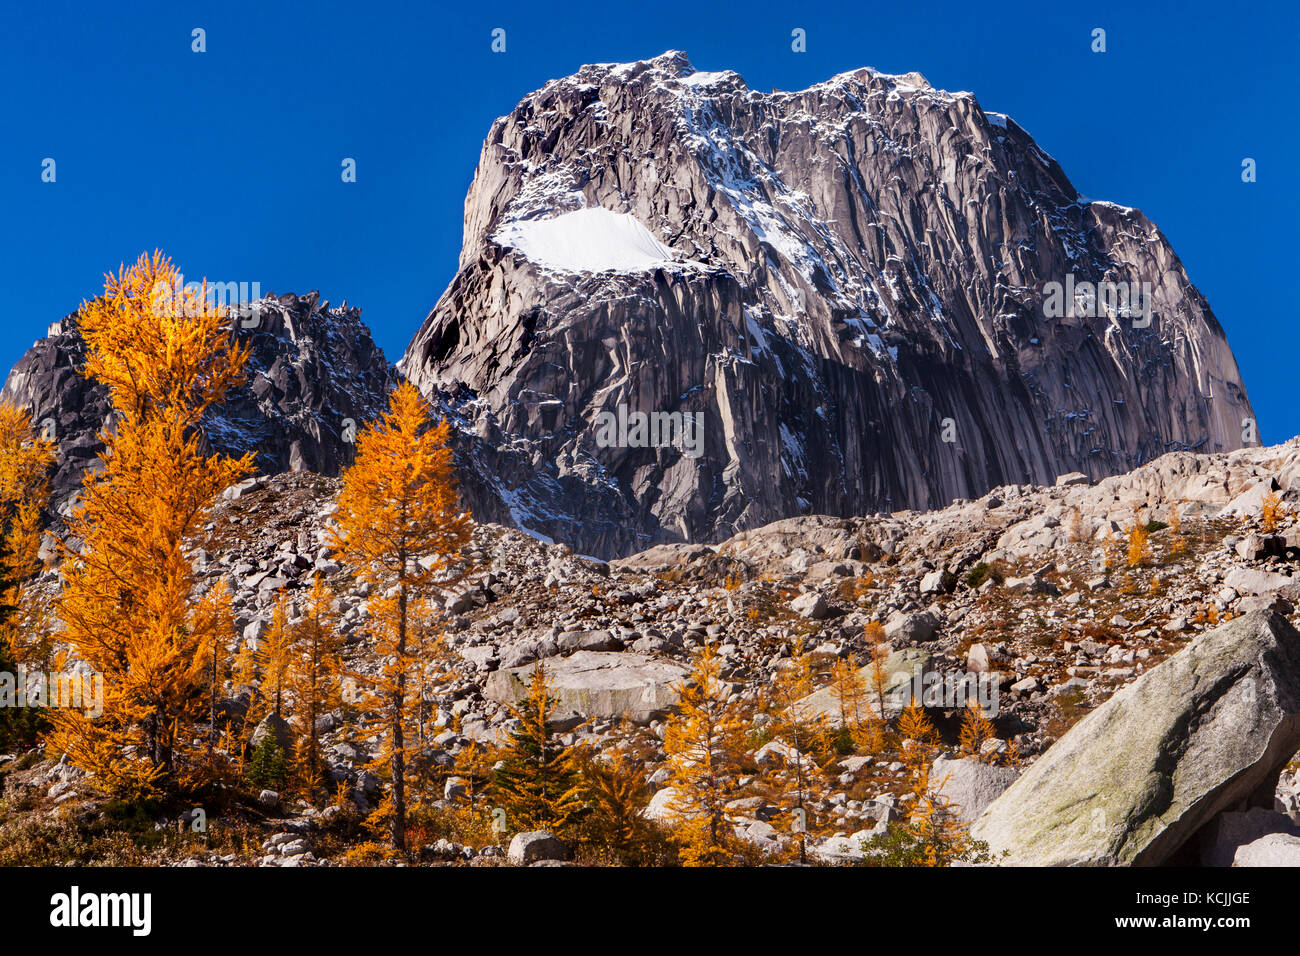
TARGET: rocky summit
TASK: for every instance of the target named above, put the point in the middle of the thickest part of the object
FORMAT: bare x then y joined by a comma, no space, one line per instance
876,295
314,377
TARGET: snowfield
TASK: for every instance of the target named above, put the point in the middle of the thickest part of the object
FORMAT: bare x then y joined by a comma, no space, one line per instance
586,240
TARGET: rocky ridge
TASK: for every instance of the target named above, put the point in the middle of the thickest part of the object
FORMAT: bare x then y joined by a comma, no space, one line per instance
314,376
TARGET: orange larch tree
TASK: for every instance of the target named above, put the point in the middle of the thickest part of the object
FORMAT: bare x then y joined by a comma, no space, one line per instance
795,776
401,528
314,677
127,607
277,654
25,462
705,741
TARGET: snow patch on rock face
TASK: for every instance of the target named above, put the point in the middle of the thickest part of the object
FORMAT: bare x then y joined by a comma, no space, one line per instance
703,78
586,240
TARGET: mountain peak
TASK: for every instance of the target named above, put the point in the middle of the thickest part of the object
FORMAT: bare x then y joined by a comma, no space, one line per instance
311,369
851,285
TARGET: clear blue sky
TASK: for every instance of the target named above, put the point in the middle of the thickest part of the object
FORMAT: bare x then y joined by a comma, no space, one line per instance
230,160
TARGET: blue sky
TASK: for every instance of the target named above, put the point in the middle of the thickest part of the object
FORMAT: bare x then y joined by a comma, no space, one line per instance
230,160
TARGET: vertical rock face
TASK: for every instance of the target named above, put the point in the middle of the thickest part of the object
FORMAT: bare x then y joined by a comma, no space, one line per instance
311,368
846,282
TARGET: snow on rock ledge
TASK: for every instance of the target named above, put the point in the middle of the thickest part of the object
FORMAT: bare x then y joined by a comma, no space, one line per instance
586,240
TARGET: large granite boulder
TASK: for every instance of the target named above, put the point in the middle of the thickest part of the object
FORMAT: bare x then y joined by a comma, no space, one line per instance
1206,731
970,785
537,845
599,684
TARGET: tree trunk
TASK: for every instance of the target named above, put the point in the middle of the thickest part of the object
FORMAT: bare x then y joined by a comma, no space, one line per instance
399,757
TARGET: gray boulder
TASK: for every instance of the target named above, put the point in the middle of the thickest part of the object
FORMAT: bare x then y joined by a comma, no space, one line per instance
599,684
969,784
1230,831
902,628
1206,731
1252,581
536,845
277,727
1275,849
810,605
938,582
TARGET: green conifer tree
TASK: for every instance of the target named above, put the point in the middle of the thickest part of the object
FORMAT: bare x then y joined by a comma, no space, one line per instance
537,781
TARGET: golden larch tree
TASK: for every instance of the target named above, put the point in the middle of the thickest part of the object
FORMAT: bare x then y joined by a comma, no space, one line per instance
314,669
796,779
932,834
1139,546
705,743
1075,526
249,663
277,652
976,729
1270,512
25,462
215,629
127,608
616,793
401,528
917,739
877,673
431,669
858,717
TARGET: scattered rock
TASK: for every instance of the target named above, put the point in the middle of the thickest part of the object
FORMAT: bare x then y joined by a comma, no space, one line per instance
811,605
1275,849
917,628
1225,834
599,684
